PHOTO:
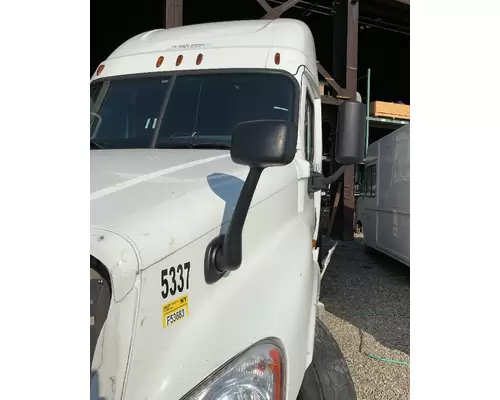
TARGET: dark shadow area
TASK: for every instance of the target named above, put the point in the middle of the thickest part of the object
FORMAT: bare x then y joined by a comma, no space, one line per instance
387,54
228,188
112,22
371,292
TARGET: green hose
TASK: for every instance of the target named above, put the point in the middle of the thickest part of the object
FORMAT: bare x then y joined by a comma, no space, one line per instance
387,360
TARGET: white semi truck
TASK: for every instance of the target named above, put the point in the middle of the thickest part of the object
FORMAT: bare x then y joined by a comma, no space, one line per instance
206,152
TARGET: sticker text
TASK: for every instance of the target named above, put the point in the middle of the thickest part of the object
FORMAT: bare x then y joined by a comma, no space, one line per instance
175,311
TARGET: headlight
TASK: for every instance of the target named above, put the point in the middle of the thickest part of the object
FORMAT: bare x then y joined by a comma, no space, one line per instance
257,374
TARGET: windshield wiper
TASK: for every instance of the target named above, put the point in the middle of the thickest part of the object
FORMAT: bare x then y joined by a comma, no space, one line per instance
217,145
95,145
211,145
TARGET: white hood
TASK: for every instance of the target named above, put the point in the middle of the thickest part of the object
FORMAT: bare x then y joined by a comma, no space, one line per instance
162,200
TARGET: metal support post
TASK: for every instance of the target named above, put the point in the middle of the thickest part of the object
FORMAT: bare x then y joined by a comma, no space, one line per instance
368,88
173,13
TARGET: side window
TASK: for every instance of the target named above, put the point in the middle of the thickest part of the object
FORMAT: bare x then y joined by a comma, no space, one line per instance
359,180
95,89
371,181
368,181
374,181
309,129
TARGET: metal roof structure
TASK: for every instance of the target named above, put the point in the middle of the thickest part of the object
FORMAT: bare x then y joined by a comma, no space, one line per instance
389,15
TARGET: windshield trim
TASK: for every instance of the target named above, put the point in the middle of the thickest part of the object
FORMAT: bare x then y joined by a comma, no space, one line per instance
174,74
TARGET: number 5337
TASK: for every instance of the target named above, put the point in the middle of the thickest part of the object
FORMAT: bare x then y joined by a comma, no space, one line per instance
175,280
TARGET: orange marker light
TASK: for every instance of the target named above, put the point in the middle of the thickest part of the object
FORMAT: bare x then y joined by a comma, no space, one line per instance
179,60
159,62
99,70
314,244
199,59
276,369
277,58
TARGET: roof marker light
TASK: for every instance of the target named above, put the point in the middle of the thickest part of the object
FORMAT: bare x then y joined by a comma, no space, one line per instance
179,60
159,62
99,70
277,58
199,59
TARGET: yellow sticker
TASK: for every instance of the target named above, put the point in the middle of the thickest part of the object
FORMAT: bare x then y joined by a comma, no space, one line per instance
175,311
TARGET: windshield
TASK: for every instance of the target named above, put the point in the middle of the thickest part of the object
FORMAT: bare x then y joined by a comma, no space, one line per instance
184,110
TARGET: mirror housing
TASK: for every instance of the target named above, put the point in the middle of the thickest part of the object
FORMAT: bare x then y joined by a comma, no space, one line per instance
351,133
264,143
259,145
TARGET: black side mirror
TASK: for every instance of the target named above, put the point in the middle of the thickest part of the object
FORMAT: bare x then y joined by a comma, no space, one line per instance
351,133
264,143
349,145
259,145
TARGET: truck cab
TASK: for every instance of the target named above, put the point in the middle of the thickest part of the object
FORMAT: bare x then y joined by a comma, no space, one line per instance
206,150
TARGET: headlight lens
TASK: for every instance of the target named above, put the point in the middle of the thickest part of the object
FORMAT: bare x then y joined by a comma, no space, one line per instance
256,374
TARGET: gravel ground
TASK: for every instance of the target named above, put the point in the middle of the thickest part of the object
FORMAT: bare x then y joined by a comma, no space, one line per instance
367,309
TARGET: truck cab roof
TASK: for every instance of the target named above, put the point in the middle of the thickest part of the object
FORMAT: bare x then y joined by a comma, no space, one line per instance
231,44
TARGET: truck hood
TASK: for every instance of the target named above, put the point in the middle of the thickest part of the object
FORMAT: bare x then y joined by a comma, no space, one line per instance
161,200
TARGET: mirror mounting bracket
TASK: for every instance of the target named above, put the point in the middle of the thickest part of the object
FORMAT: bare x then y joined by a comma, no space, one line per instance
318,182
212,260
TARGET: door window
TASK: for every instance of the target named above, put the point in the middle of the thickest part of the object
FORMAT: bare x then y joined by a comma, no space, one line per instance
309,129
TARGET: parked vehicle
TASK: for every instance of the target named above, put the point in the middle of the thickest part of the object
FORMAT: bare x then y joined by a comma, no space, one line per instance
383,206
205,204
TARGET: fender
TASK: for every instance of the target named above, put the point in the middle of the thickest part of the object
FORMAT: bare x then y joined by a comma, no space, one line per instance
112,352
119,256
233,314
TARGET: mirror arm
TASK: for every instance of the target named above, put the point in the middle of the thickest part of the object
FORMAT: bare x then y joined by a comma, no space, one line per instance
232,248
224,253
336,175
318,182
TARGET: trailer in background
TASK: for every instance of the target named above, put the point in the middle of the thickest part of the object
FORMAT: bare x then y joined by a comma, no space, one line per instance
383,204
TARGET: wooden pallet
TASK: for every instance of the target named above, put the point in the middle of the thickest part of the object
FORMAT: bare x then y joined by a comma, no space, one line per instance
384,109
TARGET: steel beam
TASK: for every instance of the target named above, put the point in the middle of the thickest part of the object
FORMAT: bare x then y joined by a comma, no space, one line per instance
345,70
349,203
333,101
352,47
173,13
273,13
265,5
341,93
